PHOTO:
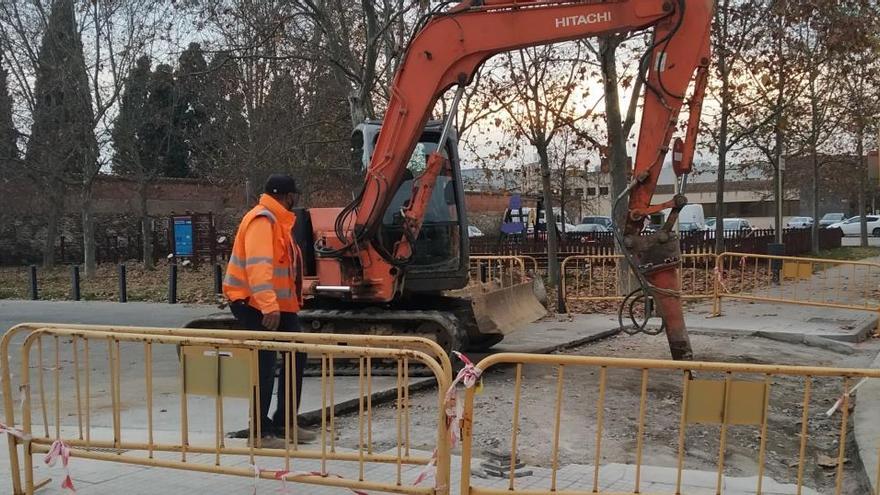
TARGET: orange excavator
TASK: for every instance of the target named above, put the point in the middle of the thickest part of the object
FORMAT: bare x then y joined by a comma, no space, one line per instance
385,262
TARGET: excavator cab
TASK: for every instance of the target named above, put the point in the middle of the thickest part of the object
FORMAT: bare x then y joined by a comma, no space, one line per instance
440,253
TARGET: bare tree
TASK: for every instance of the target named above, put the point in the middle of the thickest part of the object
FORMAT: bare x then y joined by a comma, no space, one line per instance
738,24
537,94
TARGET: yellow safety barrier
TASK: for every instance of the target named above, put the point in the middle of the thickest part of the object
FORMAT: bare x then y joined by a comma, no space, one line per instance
597,277
729,404
212,367
806,281
505,271
531,264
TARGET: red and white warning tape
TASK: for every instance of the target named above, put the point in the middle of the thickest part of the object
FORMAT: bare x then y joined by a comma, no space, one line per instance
15,432
468,376
60,450
839,401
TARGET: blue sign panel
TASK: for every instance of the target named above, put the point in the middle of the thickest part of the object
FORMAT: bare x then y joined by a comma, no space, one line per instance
183,236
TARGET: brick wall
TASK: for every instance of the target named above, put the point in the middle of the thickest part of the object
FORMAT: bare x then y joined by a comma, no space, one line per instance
22,218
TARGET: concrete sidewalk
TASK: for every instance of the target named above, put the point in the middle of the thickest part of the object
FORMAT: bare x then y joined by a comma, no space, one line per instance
867,427
104,478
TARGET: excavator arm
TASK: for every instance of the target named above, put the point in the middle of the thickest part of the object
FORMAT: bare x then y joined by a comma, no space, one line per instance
448,50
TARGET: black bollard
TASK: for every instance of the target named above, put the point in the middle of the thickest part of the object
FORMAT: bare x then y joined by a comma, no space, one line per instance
74,282
172,284
123,284
33,282
218,279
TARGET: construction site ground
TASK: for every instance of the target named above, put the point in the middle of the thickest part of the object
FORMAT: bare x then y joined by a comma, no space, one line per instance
745,333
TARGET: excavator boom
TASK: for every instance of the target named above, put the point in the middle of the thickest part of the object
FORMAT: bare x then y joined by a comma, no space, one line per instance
447,51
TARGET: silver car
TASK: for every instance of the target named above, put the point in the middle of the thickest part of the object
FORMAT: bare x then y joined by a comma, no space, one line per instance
799,223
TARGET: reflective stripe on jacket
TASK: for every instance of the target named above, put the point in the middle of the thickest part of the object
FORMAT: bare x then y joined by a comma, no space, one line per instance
265,267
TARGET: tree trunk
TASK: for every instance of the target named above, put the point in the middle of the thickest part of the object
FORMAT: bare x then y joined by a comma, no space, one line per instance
780,134
721,19
618,160
722,158
860,156
356,107
52,219
88,227
146,230
814,234
552,249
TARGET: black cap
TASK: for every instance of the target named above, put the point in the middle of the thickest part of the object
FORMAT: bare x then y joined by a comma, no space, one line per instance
281,184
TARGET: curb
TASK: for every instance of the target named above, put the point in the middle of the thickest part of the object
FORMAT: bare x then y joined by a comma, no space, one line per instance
549,349
866,429
840,347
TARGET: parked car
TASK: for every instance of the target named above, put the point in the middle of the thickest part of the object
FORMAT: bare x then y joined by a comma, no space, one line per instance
734,227
710,223
603,221
799,223
568,227
586,232
830,219
589,228
474,232
852,226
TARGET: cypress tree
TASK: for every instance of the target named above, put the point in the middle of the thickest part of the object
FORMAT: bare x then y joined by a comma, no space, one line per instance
219,148
134,155
62,142
190,79
8,134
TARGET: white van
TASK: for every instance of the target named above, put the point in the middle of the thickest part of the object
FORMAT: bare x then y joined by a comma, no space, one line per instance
690,218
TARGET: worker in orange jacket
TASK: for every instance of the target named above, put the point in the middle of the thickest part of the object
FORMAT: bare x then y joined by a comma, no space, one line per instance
264,286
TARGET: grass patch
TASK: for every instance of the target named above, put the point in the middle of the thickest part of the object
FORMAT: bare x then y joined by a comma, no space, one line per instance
194,285
848,253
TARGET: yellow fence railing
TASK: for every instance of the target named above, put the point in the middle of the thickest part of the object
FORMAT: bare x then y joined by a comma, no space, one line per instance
208,378
94,390
600,277
791,280
502,271
728,408
842,284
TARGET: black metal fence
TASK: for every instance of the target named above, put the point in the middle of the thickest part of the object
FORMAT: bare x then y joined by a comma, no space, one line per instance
797,242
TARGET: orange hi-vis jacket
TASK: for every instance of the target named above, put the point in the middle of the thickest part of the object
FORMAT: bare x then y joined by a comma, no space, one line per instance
265,267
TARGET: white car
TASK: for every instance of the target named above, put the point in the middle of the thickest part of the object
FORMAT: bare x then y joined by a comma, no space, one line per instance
474,232
589,227
568,227
799,223
852,226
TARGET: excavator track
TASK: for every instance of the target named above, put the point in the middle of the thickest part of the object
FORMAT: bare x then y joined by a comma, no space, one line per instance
439,326
448,327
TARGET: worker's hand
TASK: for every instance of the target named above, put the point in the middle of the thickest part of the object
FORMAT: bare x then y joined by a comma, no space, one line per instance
272,320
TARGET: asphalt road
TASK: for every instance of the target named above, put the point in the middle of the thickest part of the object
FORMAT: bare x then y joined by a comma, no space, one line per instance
99,313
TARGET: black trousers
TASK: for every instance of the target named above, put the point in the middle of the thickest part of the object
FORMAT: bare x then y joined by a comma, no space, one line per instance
251,319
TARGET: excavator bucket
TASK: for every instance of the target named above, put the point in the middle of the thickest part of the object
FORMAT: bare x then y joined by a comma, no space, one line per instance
503,310
503,297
